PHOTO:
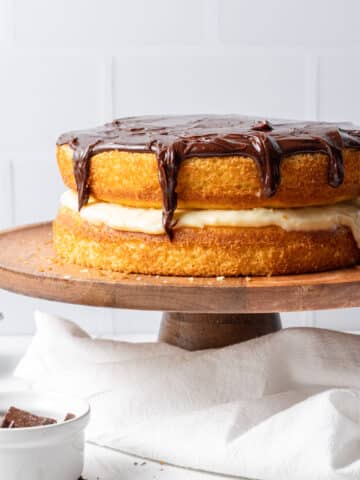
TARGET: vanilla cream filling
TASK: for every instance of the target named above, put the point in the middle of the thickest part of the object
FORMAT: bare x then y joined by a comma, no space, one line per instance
149,220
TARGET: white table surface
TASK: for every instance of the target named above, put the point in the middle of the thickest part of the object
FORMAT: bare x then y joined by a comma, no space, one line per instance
100,463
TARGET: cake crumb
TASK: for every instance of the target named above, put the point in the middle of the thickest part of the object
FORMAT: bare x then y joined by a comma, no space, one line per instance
220,279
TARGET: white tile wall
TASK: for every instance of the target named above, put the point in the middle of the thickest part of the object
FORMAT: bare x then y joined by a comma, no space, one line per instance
43,95
209,83
347,319
6,22
71,63
35,177
339,78
6,192
107,23
289,23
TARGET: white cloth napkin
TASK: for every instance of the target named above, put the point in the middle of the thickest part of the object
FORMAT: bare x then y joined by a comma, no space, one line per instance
284,406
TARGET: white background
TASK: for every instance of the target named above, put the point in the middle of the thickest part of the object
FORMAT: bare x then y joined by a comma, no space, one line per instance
67,64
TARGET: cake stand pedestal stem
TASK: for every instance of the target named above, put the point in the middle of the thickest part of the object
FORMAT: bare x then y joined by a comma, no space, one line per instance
198,331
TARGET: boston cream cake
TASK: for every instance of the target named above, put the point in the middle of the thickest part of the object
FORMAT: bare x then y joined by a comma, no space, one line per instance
210,195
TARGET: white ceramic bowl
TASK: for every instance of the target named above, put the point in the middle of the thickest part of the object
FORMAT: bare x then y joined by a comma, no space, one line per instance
51,452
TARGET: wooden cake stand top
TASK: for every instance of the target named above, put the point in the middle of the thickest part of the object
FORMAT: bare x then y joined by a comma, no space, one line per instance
28,266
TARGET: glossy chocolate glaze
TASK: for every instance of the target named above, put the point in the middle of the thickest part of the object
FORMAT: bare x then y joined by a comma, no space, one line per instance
175,138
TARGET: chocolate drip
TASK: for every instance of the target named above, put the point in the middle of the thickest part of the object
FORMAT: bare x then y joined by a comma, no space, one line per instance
81,165
174,139
169,160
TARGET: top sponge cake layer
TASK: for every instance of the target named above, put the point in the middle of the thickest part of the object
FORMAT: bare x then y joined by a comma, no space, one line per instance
131,178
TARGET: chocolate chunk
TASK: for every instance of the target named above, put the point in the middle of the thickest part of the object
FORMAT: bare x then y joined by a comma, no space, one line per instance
263,126
69,416
16,418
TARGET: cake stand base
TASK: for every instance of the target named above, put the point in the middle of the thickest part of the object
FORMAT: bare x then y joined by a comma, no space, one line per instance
198,331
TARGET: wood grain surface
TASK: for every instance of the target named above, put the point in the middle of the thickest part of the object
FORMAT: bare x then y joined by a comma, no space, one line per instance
198,331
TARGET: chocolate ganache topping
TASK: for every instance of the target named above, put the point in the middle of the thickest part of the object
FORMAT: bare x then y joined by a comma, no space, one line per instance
175,138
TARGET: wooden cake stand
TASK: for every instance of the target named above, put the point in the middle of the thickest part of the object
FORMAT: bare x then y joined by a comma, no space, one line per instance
200,312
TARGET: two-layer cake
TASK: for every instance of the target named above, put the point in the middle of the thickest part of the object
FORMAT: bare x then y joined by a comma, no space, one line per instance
210,195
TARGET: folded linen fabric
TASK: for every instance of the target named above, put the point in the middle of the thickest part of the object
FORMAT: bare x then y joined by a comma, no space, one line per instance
283,406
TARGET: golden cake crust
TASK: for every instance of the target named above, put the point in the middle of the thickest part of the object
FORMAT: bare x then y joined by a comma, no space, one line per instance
215,182
229,251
